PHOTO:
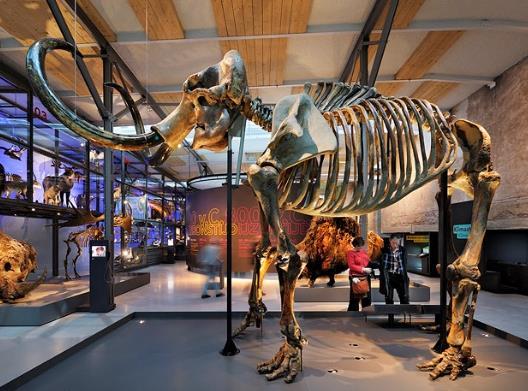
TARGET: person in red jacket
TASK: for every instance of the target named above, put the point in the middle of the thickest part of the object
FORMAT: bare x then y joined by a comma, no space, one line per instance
358,261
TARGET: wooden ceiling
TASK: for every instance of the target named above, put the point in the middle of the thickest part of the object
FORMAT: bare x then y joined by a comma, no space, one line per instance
429,51
28,20
265,58
158,18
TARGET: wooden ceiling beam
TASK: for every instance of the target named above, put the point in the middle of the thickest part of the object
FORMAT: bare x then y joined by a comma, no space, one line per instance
265,59
168,97
30,20
97,19
158,18
387,89
405,14
433,91
429,51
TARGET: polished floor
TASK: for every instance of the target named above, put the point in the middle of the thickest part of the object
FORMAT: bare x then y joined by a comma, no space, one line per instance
342,354
174,289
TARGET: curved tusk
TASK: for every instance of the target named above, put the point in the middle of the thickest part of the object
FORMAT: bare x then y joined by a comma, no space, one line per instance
35,61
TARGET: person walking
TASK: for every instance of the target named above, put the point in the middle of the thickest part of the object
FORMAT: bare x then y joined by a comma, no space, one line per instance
209,258
394,272
358,261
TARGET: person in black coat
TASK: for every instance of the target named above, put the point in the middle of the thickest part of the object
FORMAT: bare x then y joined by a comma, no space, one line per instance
393,272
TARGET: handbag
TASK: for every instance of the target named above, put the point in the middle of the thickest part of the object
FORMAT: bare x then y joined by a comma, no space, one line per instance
362,287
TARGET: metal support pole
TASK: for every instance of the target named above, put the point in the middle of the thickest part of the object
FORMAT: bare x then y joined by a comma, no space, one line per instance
145,216
29,167
162,212
240,152
443,232
230,349
123,198
363,61
374,15
108,158
114,56
382,42
55,247
56,153
87,189
363,219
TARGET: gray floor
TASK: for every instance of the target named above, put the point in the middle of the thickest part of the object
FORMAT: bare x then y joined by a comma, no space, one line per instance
174,289
182,354
506,312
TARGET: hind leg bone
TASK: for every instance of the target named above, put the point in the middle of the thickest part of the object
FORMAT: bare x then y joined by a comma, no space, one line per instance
478,179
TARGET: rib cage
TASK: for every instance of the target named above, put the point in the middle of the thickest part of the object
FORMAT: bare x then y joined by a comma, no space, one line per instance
386,156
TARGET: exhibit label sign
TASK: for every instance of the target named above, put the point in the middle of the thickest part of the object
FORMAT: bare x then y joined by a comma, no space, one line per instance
206,224
461,231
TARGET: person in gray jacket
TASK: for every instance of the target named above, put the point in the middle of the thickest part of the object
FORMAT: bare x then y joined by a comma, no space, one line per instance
393,270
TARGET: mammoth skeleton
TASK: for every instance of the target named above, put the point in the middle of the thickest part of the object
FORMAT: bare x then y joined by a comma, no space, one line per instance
350,150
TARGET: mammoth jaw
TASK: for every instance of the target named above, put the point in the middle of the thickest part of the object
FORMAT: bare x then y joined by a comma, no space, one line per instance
217,143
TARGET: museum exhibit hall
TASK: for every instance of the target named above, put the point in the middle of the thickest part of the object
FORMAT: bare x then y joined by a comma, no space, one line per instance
263,195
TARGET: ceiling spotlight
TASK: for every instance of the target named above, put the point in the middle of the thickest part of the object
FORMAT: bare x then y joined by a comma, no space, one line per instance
179,145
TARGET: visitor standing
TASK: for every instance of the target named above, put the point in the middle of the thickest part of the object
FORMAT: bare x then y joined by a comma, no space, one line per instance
394,272
358,261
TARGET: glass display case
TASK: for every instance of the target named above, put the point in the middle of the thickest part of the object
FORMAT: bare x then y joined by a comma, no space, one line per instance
65,173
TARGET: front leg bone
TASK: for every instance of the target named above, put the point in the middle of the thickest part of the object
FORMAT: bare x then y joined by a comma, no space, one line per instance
287,362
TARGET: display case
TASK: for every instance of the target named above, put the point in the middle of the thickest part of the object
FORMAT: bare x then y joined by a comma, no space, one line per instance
422,252
36,149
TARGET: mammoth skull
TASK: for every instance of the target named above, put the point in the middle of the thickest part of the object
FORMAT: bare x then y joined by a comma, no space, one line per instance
210,105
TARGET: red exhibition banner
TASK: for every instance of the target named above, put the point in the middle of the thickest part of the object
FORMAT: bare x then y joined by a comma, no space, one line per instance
206,224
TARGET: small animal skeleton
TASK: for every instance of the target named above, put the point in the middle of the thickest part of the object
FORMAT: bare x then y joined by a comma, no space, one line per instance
17,260
381,141
81,239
